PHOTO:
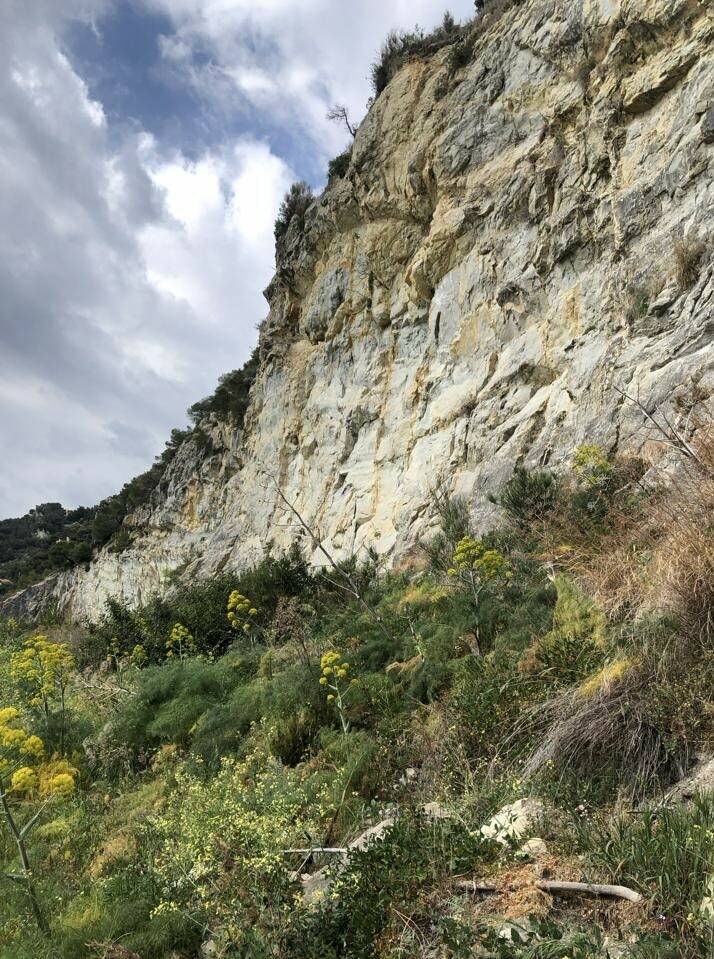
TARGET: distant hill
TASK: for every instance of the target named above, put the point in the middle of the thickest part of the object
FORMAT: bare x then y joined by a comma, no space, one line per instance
47,539
51,538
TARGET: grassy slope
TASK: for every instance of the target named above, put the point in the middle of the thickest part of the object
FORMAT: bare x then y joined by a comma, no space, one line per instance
582,675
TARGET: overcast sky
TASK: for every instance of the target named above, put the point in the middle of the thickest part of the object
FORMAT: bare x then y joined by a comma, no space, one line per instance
145,146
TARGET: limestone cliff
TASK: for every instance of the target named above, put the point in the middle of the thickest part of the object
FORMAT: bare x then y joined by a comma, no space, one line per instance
497,262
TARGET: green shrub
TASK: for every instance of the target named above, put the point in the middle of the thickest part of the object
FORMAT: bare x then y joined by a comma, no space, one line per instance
637,298
200,607
122,910
538,939
229,401
380,882
529,498
575,646
339,165
606,491
460,54
285,576
168,702
399,46
486,703
294,206
455,523
222,729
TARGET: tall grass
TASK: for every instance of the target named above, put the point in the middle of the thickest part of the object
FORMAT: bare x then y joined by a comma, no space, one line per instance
667,855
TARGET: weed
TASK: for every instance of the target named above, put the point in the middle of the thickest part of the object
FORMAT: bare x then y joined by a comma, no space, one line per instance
688,254
667,854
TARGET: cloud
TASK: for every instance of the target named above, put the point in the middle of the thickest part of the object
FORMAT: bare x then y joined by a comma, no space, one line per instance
129,279
220,232
289,60
138,192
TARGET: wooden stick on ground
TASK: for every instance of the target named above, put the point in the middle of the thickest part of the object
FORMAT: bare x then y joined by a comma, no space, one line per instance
589,889
335,850
470,885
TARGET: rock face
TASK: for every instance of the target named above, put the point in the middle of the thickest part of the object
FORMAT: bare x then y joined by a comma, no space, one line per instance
497,262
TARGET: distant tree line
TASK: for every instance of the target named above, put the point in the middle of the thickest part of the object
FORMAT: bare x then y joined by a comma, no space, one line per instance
50,538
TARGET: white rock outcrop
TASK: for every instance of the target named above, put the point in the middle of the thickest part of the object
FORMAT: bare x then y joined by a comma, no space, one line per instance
513,821
497,262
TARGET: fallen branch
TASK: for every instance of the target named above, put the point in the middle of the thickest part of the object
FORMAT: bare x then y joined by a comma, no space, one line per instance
335,850
470,885
589,889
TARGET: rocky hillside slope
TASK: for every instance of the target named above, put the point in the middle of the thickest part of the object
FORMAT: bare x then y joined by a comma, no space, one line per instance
518,239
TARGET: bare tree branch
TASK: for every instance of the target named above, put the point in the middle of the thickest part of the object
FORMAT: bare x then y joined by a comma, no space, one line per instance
669,434
317,542
339,114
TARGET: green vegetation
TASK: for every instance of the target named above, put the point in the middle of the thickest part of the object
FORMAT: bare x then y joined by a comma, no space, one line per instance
229,401
47,539
206,748
339,166
402,46
294,207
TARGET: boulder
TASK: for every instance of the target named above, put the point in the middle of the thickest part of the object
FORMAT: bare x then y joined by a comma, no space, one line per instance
513,821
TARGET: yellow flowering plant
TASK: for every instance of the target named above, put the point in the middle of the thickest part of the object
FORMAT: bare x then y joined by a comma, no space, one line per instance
479,567
241,613
43,669
334,676
27,776
220,844
139,657
180,643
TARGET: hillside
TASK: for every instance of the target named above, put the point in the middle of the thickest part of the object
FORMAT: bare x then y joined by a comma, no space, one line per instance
47,538
520,235
409,654
50,538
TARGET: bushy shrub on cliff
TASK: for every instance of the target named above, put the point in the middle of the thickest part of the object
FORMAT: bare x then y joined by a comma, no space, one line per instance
295,205
339,165
399,46
229,401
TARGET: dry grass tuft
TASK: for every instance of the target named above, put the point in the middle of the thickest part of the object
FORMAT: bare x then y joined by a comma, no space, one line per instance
657,563
611,725
688,255
658,559
682,568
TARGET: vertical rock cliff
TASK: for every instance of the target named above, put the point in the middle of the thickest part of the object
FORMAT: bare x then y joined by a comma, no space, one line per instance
523,233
